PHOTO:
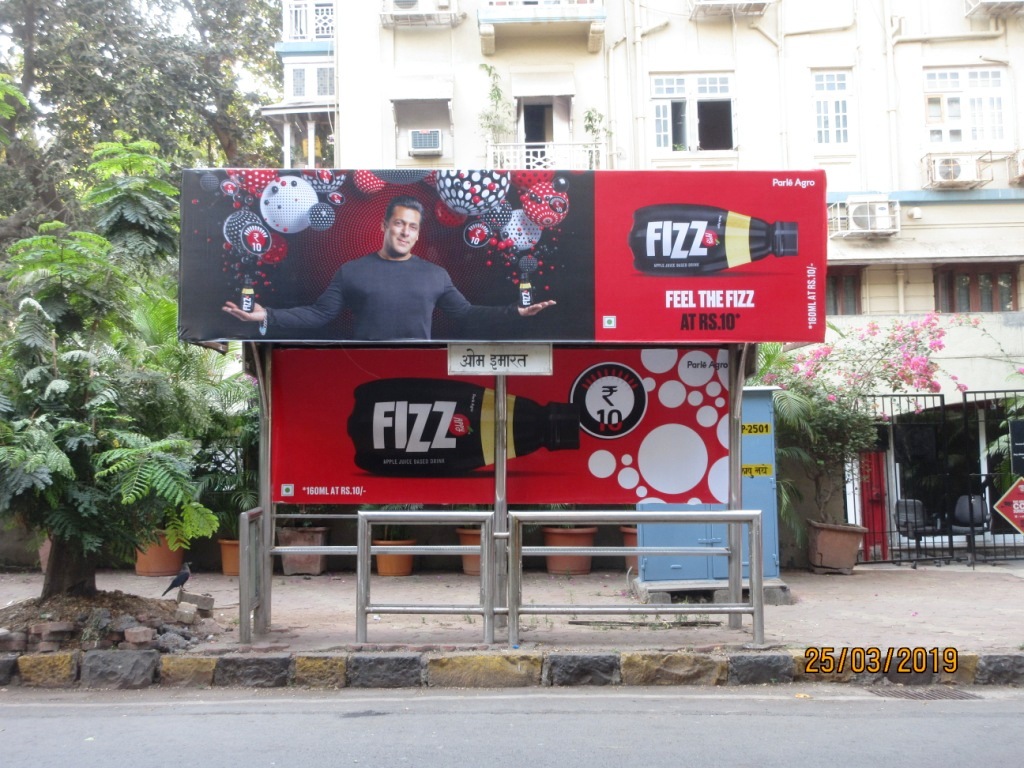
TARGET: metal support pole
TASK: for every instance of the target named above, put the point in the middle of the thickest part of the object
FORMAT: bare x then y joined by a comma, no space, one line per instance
737,361
499,584
487,577
515,587
261,615
756,578
362,576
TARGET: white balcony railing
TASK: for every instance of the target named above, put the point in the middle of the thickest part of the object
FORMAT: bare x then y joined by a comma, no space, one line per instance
532,3
308,21
548,155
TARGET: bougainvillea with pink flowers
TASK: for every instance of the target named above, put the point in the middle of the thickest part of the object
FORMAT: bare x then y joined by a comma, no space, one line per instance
825,416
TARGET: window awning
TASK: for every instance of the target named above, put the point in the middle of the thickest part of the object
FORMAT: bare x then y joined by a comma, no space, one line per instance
422,89
901,249
557,82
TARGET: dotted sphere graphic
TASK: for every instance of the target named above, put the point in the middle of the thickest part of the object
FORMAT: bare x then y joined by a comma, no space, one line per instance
401,176
471,192
323,180
527,264
238,224
321,217
209,182
523,233
285,204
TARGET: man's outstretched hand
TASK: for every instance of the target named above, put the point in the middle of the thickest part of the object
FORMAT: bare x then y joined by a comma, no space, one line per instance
258,314
531,310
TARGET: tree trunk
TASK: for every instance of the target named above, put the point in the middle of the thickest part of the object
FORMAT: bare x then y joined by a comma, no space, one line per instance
69,571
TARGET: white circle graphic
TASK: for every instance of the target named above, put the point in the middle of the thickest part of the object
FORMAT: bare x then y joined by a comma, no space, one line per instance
723,367
718,479
628,477
707,416
696,368
695,397
672,394
723,431
658,360
673,458
601,464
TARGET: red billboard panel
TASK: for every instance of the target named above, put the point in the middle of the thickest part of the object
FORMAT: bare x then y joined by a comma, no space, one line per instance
610,426
641,257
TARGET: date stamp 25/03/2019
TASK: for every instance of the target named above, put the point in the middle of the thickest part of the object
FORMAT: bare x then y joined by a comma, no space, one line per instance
826,660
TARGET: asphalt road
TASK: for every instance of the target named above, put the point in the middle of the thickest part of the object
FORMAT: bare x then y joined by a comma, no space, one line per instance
597,728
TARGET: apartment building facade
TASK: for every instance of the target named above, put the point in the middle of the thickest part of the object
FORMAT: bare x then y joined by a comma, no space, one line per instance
913,108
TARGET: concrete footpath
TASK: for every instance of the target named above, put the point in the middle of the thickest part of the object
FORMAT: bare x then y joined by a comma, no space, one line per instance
948,624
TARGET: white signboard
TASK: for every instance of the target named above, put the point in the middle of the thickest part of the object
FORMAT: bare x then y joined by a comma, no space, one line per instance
499,359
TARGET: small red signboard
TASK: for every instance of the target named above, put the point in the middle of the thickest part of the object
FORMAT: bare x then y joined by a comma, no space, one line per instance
1011,505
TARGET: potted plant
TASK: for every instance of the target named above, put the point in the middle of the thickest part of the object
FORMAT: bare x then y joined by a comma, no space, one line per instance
593,124
302,533
165,552
469,536
569,536
395,535
227,538
227,483
824,421
629,539
498,119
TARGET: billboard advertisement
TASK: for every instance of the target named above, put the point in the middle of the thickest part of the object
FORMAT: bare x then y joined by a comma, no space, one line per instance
616,425
574,257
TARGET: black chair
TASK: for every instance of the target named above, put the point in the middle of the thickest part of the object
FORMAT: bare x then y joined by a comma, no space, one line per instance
970,519
914,522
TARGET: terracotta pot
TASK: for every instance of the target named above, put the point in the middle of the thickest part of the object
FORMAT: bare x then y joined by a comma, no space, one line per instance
310,565
629,540
228,556
470,537
394,565
159,559
833,548
569,565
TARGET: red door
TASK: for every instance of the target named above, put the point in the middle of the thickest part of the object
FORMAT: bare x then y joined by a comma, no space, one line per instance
872,505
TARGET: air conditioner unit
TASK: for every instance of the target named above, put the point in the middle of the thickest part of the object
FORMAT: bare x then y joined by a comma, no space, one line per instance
443,5
404,5
872,214
954,170
1017,167
425,142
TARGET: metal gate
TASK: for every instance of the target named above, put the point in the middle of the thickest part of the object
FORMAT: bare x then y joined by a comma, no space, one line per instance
927,491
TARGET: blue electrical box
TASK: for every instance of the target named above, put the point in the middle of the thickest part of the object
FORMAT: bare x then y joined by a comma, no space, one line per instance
758,447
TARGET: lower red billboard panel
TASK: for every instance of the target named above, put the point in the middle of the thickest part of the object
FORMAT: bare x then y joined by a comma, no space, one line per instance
611,426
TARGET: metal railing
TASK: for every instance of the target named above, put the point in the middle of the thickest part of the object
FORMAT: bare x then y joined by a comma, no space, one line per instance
250,547
550,155
735,606
252,551
367,519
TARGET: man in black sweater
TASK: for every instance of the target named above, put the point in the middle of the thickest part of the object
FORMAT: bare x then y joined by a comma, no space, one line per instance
391,292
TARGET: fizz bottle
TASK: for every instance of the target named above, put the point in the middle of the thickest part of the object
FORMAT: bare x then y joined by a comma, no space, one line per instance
678,239
526,265
248,294
439,428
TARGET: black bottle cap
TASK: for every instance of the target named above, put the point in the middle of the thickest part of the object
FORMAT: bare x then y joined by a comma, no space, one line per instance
563,427
784,242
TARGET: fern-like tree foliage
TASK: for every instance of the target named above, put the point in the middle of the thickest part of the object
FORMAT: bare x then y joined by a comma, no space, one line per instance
105,419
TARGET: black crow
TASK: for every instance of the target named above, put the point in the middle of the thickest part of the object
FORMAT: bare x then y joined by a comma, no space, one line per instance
180,579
